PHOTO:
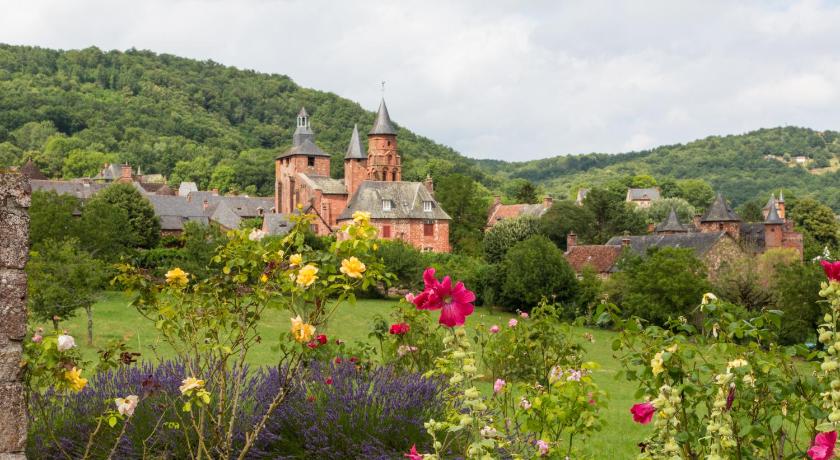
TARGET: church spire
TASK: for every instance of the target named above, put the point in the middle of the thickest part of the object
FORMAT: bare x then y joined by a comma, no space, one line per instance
354,150
382,124
303,131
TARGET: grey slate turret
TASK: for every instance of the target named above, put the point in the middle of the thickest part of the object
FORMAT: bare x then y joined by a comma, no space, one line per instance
355,150
720,211
303,132
671,224
773,216
382,124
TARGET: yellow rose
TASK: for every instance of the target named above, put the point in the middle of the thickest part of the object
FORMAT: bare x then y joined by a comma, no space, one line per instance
735,363
190,383
361,217
301,331
307,275
264,278
177,277
75,380
295,260
353,267
656,364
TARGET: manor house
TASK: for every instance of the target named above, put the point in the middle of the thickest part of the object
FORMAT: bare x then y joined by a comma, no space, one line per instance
372,183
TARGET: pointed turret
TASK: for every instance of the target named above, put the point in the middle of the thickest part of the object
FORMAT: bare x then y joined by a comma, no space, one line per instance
382,124
719,211
671,224
773,217
303,132
771,203
355,150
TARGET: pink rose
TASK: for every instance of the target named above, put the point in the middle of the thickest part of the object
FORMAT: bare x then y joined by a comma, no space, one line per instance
513,322
498,386
494,329
37,338
409,297
642,412
542,446
523,314
823,446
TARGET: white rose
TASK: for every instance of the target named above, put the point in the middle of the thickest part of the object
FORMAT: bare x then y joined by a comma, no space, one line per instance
257,235
126,406
66,342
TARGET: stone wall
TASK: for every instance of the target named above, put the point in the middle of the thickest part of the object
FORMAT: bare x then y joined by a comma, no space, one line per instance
14,248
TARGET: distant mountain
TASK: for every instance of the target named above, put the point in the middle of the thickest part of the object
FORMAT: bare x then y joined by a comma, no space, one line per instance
222,127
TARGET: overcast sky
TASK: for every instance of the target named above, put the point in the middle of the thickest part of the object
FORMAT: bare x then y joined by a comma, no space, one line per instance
508,80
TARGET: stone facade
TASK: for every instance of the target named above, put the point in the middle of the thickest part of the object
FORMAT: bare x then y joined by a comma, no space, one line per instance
432,236
15,195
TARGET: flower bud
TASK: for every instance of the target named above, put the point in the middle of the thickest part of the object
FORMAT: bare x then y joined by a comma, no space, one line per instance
827,318
829,366
834,416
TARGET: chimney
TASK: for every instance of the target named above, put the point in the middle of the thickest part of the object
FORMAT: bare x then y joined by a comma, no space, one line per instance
571,240
625,240
205,205
430,186
125,175
651,227
215,192
548,201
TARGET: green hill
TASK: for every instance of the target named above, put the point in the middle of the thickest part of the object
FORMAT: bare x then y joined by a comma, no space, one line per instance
220,126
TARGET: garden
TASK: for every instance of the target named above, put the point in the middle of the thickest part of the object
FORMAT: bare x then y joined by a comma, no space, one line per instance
270,354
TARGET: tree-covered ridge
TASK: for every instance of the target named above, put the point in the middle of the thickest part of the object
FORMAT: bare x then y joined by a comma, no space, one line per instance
741,166
188,119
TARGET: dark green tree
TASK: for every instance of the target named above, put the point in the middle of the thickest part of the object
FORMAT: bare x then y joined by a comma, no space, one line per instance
505,234
143,226
818,224
459,196
697,192
565,217
797,288
612,216
51,217
533,269
101,230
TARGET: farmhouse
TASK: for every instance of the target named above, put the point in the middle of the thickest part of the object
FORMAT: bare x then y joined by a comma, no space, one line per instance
499,211
372,183
642,197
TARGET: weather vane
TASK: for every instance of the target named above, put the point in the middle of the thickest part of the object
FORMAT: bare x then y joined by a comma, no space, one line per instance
383,87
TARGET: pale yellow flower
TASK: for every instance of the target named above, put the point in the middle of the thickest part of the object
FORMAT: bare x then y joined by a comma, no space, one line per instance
177,277
708,298
75,380
295,260
353,267
190,383
307,275
126,406
735,363
361,217
302,332
656,364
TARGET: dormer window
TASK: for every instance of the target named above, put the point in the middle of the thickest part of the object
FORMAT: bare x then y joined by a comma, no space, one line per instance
428,206
387,205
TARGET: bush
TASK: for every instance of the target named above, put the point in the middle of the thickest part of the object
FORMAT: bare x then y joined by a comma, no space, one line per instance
797,296
505,234
535,269
403,261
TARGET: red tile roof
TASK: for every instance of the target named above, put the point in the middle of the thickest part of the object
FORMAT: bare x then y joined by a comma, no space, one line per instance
601,257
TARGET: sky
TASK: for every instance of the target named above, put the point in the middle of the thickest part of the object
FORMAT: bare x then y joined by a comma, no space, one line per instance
510,80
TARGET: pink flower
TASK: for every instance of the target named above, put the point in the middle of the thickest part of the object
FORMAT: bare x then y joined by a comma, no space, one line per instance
523,314
412,454
494,329
542,446
37,338
328,381
643,412
823,446
322,339
524,404
338,360
409,298
312,344
832,269
455,302
400,329
591,399
513,322
498,386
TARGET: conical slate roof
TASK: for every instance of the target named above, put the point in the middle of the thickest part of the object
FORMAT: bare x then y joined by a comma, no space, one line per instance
354,150
771,203
671,224
720,211
773,217
382,124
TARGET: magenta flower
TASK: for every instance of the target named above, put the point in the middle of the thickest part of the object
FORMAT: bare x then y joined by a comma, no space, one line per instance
494,329
542,447
523,314
513,322
409,298
498,386
643,412
823,446
832,270
412,454
455,302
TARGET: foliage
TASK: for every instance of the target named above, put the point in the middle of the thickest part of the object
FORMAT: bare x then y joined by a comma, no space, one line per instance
797,296
611,215
661,285
459,195
535,269
404,261
414,350
659,210
566,217
505,234
818,224
143,226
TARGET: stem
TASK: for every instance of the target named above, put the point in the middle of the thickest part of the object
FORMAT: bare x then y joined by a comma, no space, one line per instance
117,442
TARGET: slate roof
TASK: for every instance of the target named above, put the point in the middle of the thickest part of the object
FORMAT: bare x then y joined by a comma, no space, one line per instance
355,150
671,224
109,173
407,199
186,188
771,203
636,194
512,211
32,172
773,216
701,243
276,224
720,211
382,124
601,257
325,184
82,190
175,211
307,148
244,206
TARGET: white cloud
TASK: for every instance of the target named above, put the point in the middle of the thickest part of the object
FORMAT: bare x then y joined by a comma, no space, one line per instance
501,79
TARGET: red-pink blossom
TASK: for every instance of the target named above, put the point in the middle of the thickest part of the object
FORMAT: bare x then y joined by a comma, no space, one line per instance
400,328
322,339
494,329
642,412
455,302
328,381
413,454
823,446
832,270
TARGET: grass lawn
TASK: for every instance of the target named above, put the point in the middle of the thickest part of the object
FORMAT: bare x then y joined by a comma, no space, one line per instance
114,318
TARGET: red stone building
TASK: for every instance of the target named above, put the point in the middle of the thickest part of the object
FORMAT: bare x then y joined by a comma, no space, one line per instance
499,212
372,183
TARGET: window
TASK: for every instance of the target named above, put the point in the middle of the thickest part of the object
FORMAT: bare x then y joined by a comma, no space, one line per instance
387,204
310,161
427,249
428,205
428,229
313,228
386,231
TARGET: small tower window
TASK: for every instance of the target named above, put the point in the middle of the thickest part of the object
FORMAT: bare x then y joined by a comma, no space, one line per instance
428,206
387,205
310,161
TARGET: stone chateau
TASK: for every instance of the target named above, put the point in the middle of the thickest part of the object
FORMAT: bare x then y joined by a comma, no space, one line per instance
372,183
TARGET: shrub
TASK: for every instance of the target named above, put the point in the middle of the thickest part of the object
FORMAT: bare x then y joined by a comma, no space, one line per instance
403,261
797,296
505,234
534,269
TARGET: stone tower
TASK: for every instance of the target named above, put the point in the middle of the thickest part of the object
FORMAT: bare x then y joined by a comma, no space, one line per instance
383,158
355,163
303,157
